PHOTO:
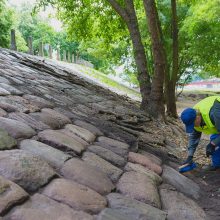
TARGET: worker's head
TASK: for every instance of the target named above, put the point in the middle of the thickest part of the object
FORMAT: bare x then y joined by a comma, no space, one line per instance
190,119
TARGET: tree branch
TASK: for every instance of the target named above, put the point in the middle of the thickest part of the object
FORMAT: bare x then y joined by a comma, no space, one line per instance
117,7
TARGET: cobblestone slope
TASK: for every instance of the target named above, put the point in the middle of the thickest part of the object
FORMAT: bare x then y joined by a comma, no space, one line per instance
71,150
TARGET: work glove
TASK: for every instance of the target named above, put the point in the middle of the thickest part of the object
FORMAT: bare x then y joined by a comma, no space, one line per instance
188,160
210,149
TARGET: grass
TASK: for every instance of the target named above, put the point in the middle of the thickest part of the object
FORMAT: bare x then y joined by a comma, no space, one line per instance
110,83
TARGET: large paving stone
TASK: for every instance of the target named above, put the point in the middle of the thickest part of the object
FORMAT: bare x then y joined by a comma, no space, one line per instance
10,194
180,182
81,132
85,174
115,146
16,129
74,136
2,112
22,101
52,118
139,210
107,155
6,142
145,161
110,170
28,171
54,157
4,80
141,169
152,157
40,207
140,187
75,195
89,127
4,92
38,101
178,206
16,104
27,119
115,214
11,89
61,141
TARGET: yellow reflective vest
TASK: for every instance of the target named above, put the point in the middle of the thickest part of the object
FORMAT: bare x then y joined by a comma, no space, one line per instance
204,107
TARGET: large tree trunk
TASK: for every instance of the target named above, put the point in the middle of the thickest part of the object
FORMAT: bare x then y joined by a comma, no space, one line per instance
156,107
128,14
172,79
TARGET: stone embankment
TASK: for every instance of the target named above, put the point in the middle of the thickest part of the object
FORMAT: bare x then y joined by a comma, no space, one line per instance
70,150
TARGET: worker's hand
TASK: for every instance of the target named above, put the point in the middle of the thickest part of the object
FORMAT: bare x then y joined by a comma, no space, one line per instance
210,148
188,160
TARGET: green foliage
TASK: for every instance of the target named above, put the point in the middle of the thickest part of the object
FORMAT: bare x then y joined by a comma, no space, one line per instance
5,24
20,42
202,31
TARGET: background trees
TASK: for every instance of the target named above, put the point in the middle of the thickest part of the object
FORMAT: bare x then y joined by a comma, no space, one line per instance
6,22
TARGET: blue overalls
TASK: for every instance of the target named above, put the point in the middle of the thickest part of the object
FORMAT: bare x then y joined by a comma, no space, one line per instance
216,154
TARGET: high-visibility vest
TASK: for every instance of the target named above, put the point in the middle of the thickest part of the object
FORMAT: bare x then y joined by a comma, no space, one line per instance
204,107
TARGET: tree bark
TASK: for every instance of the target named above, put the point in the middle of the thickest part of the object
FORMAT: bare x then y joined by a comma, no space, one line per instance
171,80
156,107
129,16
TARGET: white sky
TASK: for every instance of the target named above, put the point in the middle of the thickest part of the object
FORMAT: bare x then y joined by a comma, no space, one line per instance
56,24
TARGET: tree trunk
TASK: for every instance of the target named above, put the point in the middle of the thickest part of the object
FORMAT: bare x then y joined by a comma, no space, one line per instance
129,16
156,107
171,80
139,54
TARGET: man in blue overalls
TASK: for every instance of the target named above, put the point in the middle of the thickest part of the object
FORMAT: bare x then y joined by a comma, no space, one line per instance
204,117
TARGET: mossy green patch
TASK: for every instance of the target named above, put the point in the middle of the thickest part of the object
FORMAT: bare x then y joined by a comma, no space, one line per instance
6,141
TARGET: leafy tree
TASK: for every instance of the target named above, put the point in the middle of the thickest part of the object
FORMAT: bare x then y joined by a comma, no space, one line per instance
5,24
202,32
105,19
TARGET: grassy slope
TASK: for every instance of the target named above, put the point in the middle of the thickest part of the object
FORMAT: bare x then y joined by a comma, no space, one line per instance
108,82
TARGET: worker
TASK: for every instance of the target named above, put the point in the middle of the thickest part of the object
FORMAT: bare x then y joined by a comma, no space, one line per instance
204,117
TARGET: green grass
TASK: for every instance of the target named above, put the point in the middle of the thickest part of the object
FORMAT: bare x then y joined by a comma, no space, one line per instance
102,78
